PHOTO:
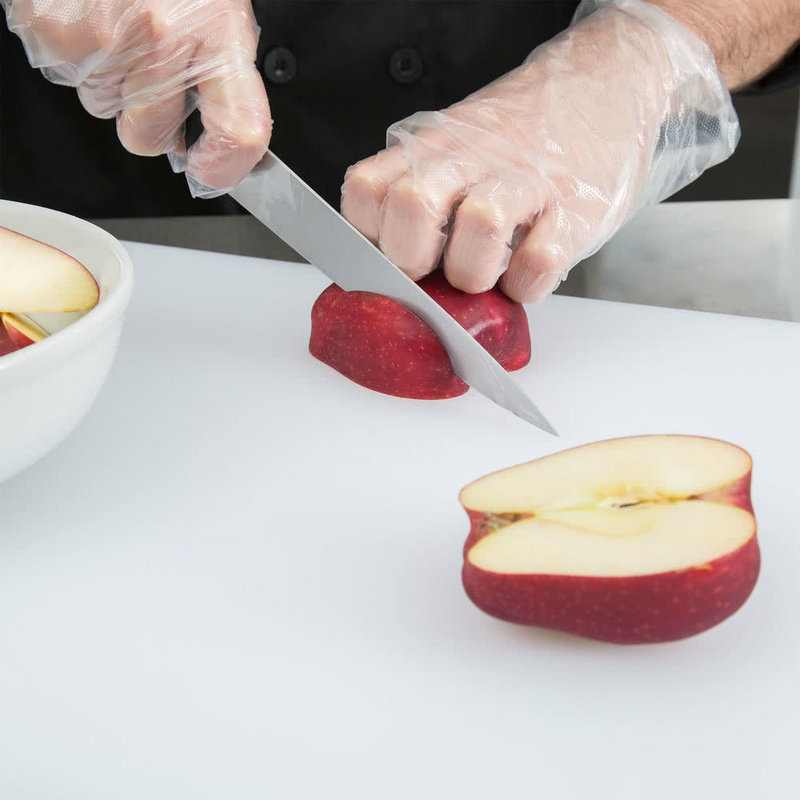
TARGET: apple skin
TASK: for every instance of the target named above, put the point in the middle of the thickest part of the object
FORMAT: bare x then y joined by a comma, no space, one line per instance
639,609
6,344
734,494
647,609
18,338
21,330
378,343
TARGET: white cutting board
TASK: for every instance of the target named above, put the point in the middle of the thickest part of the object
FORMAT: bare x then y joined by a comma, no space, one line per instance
239,578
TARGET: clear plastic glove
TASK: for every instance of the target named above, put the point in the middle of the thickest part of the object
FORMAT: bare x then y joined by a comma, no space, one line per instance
533,173
151,63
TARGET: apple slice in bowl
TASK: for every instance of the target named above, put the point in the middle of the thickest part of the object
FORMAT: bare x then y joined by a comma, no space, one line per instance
34,276
37,277
21,329
634,540
6,344
46,389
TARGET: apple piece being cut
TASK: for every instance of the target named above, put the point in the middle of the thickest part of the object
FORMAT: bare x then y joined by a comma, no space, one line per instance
22,330
642,539
380,344
37,277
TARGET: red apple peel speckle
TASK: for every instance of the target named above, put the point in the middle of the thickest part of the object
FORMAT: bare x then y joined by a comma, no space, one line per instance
379,344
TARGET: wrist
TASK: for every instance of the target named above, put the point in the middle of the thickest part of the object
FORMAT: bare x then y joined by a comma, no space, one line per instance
747,38
697,126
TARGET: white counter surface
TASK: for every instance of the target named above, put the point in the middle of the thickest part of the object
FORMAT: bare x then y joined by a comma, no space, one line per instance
240,577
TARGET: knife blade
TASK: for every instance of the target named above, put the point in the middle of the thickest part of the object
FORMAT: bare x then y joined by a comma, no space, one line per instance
292,210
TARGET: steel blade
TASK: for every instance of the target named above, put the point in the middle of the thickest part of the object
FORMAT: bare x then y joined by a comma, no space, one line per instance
292,210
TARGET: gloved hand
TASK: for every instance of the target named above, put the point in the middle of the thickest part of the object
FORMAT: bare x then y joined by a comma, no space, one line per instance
150,63
533,173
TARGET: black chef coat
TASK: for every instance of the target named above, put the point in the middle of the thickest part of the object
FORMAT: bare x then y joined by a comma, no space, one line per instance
337,73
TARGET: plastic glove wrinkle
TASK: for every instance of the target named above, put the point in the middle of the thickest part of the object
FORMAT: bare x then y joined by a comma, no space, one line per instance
151,63
595,123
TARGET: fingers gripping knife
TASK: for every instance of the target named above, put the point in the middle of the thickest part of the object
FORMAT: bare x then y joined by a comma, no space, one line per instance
293,211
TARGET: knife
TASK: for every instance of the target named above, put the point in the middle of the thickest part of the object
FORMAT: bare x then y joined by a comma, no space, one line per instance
297,214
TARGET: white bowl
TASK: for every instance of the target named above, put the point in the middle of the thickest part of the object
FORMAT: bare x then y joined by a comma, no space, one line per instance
47,387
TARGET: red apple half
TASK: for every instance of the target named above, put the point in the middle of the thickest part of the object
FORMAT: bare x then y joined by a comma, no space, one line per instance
37,277
22,330
642,539
380,344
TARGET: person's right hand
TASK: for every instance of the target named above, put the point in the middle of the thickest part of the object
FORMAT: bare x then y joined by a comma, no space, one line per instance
150,63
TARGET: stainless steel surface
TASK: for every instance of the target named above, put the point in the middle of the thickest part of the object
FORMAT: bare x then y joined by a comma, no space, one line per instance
296,213
234,234
740,257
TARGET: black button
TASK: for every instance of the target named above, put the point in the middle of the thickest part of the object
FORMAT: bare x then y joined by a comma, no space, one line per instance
405,65
280,65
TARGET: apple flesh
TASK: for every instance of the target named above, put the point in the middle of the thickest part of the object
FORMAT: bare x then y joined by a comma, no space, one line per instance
22,330
37,277
380,344
634,540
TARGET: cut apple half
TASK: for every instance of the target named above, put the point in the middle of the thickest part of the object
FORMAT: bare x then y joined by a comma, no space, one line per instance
37,277
641,539
22,330
380,344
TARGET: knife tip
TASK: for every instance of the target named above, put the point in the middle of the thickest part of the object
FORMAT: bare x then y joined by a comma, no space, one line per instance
531,414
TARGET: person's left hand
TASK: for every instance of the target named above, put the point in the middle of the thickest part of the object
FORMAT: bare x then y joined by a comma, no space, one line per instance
533,173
